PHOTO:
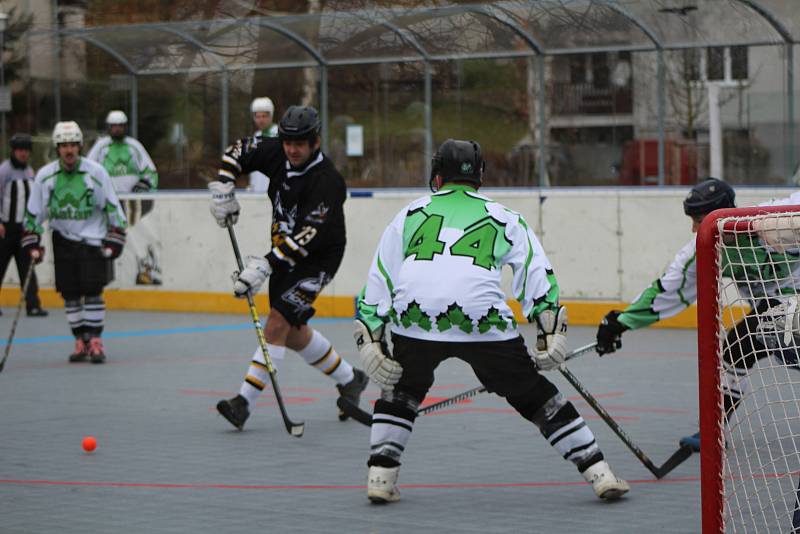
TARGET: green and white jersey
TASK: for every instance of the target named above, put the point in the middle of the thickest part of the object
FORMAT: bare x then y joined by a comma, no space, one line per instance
259,182
126,161
81,205
437,271
744,261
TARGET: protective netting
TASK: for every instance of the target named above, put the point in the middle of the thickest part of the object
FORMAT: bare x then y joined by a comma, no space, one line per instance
758,334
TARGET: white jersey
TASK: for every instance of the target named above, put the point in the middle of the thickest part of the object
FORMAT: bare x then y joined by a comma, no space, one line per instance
126,161
81,205
677,287
437,272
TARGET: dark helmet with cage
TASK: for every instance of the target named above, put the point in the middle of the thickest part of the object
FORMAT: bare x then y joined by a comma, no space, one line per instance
299,123
457,161
709,195
21,140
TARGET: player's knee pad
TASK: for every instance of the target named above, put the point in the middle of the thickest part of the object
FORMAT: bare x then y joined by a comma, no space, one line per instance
399,401
530,403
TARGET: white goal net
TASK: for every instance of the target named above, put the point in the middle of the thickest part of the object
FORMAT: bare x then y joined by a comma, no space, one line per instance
749,332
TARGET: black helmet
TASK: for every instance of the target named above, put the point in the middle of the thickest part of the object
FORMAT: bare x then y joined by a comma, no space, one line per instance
298,123
457,161
21,140
709,195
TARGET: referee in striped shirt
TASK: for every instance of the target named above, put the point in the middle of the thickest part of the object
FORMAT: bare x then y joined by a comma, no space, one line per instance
16,176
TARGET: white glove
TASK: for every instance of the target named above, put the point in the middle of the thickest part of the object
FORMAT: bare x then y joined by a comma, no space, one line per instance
551,345
380,367
224,206
256,271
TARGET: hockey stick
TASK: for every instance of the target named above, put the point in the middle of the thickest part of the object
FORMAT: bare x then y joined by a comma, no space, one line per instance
365,418
295,429
24,291
677,458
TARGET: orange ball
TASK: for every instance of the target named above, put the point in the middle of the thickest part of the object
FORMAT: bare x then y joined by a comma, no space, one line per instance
89,443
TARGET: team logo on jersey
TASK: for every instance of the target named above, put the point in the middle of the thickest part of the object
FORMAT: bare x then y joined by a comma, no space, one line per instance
73,202
318,214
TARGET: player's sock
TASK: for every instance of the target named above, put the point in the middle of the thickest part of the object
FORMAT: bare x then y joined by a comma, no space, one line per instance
392,423
567,432
94,314
74,312
257,374
320,353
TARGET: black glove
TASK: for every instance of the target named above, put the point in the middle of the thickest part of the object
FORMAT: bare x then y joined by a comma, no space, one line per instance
31,243
609,333
142,186
113,243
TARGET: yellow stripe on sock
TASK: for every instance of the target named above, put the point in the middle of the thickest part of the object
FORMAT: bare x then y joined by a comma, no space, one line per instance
255,382
333,367
259,364
324,356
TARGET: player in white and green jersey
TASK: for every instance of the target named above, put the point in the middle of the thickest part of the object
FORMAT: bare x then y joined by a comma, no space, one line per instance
126,160
676,289
88,228
262,110
132,171
435,280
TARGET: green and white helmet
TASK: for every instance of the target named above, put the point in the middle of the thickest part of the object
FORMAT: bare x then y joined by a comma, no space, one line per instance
67,132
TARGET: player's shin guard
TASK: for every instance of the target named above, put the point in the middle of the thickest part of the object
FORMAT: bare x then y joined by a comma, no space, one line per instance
392,423
567,432
94,314
257,374
320,353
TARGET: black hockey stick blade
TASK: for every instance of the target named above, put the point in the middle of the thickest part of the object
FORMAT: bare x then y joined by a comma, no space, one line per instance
354,412
677,458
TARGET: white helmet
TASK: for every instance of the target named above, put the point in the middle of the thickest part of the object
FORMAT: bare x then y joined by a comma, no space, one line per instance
262,104
116,116
67,132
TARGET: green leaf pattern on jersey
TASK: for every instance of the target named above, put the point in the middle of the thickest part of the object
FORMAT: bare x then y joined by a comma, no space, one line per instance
71,199
454,316
749,260
414,315
494,319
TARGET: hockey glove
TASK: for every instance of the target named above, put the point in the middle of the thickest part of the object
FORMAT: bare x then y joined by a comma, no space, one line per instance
31,243
609,333
142,186
224,206
256,271
551,344
380,367
113,243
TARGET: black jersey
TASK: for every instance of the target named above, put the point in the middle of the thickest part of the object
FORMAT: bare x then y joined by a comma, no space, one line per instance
307,203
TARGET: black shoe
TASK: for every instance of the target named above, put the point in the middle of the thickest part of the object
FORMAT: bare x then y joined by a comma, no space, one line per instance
352,390
234,410
37,312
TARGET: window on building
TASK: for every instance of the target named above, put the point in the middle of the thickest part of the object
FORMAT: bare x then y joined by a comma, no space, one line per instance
577,69
715,63
738,57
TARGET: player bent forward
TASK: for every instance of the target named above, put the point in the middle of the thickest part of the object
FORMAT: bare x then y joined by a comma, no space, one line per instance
78,198
773,301
436,278
308,240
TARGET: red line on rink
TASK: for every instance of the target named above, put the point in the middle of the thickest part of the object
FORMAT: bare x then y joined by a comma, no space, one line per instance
476,485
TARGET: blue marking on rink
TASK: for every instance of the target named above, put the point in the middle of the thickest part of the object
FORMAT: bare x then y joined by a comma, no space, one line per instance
162,331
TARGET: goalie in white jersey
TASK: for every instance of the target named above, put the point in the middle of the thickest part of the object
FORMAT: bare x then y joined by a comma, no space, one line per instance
436,279
750,339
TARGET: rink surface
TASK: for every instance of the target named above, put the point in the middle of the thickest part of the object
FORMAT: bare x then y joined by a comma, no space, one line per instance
167,462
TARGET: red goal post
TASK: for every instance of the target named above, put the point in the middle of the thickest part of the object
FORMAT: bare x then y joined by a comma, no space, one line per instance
743,486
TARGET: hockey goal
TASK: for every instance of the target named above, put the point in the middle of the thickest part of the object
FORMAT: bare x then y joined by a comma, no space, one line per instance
748,271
